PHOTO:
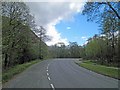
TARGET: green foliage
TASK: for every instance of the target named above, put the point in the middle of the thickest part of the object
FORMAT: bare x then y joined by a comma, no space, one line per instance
109,71
8,74
62,51
104,47
95,48
74,49
26,45
19,43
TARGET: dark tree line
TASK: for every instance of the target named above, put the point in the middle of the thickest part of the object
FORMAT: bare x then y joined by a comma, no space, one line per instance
61,51
20,44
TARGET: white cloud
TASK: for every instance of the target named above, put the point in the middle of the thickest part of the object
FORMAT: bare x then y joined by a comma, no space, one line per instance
76,7
68,28
48,14
72,5
56,36
51,0
85,43
84,38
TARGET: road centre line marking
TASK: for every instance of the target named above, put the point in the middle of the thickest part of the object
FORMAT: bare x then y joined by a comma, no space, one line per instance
48,78
52,86
47,70
48,65
47,73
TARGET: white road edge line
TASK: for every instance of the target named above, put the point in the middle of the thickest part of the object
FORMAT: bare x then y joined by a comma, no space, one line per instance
48,78
47,73
52,86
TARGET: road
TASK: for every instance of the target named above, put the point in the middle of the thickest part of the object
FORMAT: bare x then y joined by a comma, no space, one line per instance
60,73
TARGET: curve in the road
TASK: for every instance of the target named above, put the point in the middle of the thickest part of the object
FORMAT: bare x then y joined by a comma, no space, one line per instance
60,73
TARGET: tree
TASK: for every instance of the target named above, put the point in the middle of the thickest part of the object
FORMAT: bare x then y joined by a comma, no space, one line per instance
99,10
41,33
61,51
16,14
74,50
20,43
107,15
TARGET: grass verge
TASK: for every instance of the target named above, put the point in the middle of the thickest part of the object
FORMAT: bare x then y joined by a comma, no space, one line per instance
8,74
101,69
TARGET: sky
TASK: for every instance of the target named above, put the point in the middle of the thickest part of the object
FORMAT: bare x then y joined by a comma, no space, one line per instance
63,21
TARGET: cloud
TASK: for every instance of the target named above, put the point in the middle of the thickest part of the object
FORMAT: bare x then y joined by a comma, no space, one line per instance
85,43
68,28
56,36
84,38
54,0
48,14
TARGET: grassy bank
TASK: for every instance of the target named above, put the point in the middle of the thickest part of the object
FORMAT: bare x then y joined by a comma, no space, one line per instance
8,74
101,69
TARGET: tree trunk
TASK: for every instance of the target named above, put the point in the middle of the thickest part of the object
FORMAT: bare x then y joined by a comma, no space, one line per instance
113,47
5,61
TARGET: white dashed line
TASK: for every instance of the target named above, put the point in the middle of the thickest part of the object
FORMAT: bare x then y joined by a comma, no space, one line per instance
52,86
47,74
48,78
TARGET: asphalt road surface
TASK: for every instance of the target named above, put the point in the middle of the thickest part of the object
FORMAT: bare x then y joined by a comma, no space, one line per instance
60,73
